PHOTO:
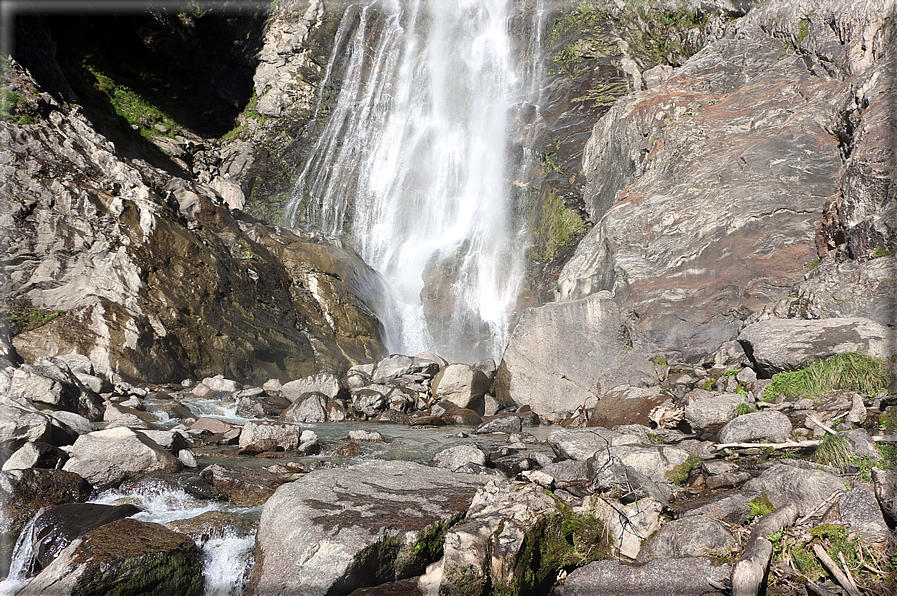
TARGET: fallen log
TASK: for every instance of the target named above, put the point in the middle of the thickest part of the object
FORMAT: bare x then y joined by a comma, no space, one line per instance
785,445
750,570
830,564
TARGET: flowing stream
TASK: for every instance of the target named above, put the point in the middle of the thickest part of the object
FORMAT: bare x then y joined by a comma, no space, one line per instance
413,166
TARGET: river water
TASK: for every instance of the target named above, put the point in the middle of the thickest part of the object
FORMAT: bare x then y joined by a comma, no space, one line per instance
413,165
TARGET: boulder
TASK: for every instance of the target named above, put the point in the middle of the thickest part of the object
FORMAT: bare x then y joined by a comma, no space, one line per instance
334,530
693,536
49,381
658,463
708,416
463,385
314,407
221,385
788,344
107,457
784,484
286,436
147,557
729,508
583,443
564,355
629,525
693,576
885,482
213,425
501,424
213,524
325,383
770,426
243,486
36,454
395,366
455,457
55,529
504,520
627,405
170,440
859,509
25,492
21,423
75,422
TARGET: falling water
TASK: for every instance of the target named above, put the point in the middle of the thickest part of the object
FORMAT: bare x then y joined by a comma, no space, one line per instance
413,167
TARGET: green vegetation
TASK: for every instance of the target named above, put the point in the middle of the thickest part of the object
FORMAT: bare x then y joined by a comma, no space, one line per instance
882,251
707,385
854,371
760,506
556,229
679,474
21,316
660,361
743,409
14,108
833,451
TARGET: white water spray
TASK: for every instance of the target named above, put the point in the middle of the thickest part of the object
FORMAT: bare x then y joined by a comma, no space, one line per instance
412,167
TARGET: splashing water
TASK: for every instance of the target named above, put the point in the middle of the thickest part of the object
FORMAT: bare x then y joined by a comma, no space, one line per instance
413,167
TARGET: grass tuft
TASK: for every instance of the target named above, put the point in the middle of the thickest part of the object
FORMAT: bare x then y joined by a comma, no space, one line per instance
854,371
834,451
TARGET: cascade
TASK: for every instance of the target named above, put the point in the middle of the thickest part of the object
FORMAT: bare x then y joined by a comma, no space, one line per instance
413,167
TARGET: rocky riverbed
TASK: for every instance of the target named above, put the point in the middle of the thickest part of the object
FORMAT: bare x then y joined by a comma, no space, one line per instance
406,476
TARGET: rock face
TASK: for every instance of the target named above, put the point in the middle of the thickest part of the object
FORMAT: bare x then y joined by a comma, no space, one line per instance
567,354
702,215
335,530
154,278
787,344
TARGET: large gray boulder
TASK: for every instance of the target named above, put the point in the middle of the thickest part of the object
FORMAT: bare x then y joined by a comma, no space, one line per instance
568,354
463,385
694,536
335,530
326,383
50,382
709,415
806,489
787,344
21,422
285,435
583,443
693,576
769,426
107,457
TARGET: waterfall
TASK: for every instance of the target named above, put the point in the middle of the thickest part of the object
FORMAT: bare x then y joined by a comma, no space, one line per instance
413,167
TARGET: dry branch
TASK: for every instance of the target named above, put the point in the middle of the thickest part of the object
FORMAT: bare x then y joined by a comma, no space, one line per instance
835,570
749,571
785,445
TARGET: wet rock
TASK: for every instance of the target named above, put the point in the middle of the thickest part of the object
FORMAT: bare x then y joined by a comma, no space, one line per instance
504,424
286,436
347,449
455,457
55,529
787,344
462,416
243,486
695,576
806,489
212,425
212,524
352,527
463,385
325,383
36,454
693,536
365,435
145,556
25,492
708,416
768,426
106,457
563,355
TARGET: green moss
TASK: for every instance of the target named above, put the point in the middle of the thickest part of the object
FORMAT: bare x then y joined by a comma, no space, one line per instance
707,385
740,390
14,108
660,361
854,371
22,316
760,506
679,474
803,29
556,229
